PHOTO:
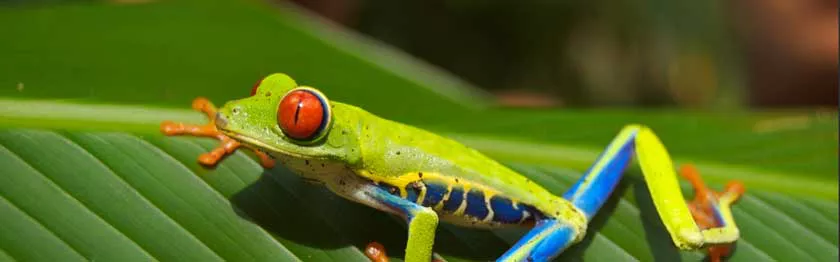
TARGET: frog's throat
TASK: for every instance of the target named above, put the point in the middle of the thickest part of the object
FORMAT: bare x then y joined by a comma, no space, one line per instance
265,147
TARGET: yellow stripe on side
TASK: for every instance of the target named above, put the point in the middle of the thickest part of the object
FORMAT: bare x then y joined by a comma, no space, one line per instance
665,191
401,182
463,206
422,195
490,212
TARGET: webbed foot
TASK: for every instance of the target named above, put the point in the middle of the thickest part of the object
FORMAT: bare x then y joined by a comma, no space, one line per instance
703,206
376,253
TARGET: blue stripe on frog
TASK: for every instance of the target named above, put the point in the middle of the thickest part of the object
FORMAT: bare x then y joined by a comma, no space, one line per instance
476,207
455,199
434,193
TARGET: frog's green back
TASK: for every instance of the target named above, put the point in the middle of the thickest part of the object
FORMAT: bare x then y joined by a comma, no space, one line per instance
380,149
392,149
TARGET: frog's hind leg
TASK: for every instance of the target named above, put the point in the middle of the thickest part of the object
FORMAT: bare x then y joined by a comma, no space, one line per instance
668,199
546,240
711,209
598,183
551,236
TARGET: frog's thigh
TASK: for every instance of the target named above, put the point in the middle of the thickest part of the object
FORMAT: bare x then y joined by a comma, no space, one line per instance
544,242
422,221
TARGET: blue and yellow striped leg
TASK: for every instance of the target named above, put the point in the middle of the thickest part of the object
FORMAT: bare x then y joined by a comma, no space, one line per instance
598,183
422,223
545,241
550,236
591,192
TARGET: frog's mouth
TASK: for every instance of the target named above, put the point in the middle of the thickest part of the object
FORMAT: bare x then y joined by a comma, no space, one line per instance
272,150
222,125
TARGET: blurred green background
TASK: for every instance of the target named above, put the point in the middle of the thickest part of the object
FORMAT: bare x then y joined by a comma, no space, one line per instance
707,54
746,89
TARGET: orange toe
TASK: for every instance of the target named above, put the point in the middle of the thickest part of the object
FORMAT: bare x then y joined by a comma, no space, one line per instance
735,187
376,252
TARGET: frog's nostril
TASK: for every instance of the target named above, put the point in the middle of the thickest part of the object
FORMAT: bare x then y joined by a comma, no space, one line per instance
221,121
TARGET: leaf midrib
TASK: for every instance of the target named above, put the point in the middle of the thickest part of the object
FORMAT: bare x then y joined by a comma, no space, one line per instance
143,119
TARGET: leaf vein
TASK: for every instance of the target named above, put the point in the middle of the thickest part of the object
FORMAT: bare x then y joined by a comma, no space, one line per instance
236,173
222,196
25,136
145,198
756,249
784,217
771,231
41,224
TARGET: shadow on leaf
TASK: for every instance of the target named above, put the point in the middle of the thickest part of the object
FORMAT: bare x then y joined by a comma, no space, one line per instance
657,236
308,214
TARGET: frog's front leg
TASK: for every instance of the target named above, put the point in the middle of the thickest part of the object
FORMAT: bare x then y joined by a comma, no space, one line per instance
227,145
422,221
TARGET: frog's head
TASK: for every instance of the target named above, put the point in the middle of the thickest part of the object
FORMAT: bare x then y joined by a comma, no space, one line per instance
282,118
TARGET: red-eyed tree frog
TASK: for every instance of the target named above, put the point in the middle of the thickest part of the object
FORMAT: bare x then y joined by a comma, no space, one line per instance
426,178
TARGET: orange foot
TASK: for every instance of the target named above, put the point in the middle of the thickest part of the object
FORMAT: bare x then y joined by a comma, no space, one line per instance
227,145
376,253
702,206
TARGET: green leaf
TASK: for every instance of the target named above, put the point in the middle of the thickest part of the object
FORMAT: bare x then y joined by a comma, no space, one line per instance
85,175
128,183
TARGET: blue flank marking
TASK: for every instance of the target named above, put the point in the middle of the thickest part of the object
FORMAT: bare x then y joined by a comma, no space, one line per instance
434,193
475,204
503,210
455,199
552,238
411,193
603,183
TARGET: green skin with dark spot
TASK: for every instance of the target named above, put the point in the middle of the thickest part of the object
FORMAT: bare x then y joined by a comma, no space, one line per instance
363,141
357,142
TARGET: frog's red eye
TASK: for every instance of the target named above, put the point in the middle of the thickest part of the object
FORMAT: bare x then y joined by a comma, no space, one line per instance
303,114
257,85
